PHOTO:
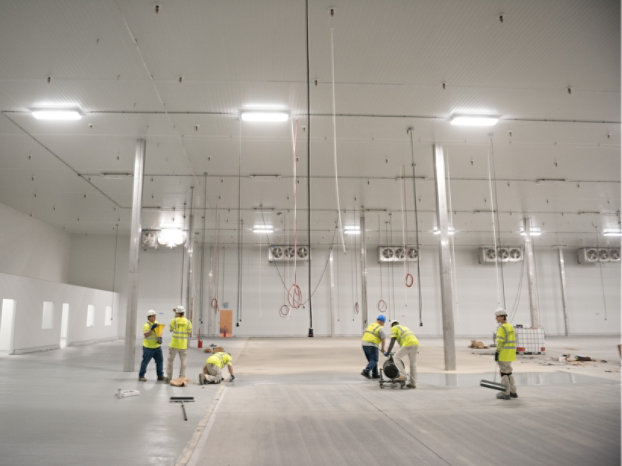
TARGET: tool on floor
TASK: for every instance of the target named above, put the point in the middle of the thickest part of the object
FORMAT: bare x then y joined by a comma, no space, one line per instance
491,384
124,393
390,369
182,400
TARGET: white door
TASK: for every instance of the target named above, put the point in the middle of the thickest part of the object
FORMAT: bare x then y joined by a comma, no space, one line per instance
64,324
7,322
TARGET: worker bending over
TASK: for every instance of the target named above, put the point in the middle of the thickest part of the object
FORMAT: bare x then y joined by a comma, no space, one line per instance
214,365
181,329
372,338
409,346
505,354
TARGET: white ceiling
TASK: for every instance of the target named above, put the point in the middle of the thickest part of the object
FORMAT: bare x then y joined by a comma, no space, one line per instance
179,78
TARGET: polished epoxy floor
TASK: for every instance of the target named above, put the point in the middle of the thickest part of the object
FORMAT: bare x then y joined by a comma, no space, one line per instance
303,402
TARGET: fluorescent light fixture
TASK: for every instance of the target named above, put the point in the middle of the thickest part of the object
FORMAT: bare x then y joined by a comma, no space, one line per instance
264,117
533,232
450,231
58,114
473,120
171,237
351,230
263,229
612,232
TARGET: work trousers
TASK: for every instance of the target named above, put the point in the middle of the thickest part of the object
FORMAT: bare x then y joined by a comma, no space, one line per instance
411,352
148,354
212,373
171,359
505,367
371,353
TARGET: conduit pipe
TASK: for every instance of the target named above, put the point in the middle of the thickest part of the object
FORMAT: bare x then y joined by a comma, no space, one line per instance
364,316
562,276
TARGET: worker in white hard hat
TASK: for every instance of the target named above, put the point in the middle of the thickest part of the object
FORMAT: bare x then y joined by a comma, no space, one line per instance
505,354
212,370
151,347
409,346
181,329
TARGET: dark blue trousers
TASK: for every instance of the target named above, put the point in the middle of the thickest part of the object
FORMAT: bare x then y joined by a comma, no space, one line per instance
371,353
148,354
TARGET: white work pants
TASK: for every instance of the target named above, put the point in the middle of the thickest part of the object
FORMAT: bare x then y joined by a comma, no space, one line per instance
505,367
172,352
411,352
211,373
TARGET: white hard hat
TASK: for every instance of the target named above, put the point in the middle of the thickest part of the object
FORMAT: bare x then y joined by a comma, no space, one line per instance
501,312
151,312
180,309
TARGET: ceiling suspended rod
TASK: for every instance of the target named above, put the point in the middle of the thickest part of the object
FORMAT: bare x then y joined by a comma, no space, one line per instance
417,245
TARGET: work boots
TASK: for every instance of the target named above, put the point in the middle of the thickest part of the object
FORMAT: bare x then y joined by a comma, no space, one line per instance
502,396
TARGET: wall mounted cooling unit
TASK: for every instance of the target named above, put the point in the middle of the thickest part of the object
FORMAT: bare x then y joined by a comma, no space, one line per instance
490,255
283,253
397,254
593,255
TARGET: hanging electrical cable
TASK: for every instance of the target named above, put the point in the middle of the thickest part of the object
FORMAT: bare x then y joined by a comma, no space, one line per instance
310,334
409,279
114,268
216,269
382,304
417,245
294,295
355,281
495,225
392,306
332,61
239,295
202,281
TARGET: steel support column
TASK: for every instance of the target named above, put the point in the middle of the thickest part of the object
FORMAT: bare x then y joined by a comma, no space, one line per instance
132,281
562,276
447,287
364,316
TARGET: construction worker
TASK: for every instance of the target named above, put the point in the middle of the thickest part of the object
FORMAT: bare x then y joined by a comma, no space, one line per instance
409,345
214,365
372,338
505,354
151,347
181,329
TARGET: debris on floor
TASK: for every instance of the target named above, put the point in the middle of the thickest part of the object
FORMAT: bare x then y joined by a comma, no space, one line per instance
124,393
478,344
180,382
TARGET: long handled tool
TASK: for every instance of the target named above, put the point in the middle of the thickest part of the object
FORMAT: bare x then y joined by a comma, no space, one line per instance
491,384
182,400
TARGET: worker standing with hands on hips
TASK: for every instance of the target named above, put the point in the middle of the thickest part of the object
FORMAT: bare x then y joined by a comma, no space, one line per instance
214,365
372,338
505,354
151,347
181,329
409,345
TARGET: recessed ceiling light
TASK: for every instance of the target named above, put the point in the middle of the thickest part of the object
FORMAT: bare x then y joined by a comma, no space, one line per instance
533,232
352,230
263,229
57,114
612,232
265,117
450,231
473,120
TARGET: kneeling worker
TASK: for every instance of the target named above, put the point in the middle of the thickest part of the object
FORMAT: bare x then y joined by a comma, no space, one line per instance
409,345
213,366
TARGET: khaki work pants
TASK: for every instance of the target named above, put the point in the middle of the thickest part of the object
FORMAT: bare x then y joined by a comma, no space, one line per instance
411,352
212,373
172,352
505,367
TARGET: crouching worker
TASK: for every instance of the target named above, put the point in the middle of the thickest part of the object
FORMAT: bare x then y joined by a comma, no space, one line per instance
214,365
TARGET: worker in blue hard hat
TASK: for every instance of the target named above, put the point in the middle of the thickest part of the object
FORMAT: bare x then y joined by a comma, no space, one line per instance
372,338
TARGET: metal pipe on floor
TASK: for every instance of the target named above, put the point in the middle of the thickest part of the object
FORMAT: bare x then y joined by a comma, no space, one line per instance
135,231
447,288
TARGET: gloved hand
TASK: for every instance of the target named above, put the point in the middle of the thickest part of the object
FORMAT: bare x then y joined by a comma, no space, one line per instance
496,355
387,354
232,378
153,326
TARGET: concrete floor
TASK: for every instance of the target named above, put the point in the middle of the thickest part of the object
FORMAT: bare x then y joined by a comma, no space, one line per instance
302,401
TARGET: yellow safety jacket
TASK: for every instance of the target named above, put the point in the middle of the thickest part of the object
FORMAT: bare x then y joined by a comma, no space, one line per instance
506,342
404,336
372,333
152,340
181,327
220,359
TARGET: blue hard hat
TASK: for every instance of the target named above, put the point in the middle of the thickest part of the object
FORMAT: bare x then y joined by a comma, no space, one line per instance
381,318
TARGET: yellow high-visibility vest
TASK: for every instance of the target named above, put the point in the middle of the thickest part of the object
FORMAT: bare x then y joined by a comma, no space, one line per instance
404,336
220,359
152,340
372,333
181,327
506,342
